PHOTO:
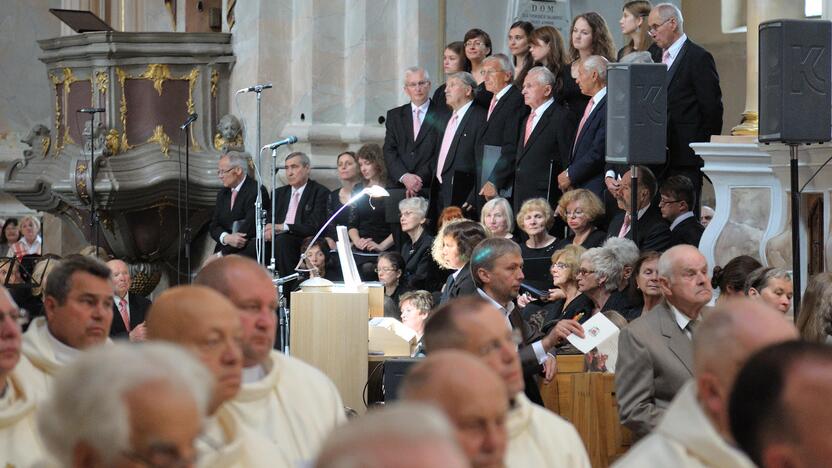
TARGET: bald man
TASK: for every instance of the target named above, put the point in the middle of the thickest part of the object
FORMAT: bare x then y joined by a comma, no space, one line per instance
128,309
206,323
290,402
471,395
537,436
695,430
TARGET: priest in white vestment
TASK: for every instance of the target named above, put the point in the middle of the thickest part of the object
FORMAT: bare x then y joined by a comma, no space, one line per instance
694,431
290,402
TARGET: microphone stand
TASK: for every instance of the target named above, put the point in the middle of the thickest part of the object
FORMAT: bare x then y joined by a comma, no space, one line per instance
93,213
273,262
186,235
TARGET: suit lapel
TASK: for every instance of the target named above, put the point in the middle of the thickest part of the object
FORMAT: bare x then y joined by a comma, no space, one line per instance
593,117
407,119
538,129
428,122
677,62
677,342
460,129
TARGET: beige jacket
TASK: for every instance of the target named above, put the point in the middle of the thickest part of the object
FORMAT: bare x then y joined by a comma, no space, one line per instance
226,443
20,444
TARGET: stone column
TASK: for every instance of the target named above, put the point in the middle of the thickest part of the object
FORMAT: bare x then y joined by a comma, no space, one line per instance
759,11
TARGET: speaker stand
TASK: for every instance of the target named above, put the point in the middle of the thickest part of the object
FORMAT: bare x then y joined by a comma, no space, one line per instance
795,188
634,203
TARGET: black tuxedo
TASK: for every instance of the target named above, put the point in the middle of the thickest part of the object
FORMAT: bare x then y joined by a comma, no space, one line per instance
463,285
243,211
501,130
460,160
419,269
653,230
403,154
587,159
309,217
137,306
544,156
688,231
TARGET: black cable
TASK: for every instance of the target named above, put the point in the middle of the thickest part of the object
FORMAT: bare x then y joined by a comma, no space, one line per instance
179,210
815,174
364,392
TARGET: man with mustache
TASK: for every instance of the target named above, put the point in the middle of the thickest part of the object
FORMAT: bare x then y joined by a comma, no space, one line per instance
655,352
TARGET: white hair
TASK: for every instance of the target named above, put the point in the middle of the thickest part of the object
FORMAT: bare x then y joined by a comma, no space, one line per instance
494,203
624,249
669,10
641,56
606,264
414,204
87,402
597,64
410,70
543,76
465,78
504,61
237,159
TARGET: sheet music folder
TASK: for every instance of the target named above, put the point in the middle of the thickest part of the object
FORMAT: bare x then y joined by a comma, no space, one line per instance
81,21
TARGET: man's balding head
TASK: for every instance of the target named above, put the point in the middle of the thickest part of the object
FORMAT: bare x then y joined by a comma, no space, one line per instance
120,274
683,276
473,397
205,322
724,341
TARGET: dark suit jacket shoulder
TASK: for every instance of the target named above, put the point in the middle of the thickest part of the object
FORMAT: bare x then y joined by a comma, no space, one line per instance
403,154
139,305
461,157
311,213
653,230
243,211
587,160
463,284
419,271
501,130
688,231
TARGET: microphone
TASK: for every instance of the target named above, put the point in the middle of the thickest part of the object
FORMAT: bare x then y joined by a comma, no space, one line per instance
286,141
90,110
191,119
256,88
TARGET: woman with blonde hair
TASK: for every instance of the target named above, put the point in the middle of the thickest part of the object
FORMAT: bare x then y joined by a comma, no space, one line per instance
580,209
497,217
30,241
815,320
535,218
633,25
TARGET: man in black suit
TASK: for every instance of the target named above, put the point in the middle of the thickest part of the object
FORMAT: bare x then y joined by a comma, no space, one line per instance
676,199
455,180
300,211
694,98
653,231
499,133
544,140
410,137
233,225
586,160
128,309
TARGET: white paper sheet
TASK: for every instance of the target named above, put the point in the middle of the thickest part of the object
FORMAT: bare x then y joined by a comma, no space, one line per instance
596,330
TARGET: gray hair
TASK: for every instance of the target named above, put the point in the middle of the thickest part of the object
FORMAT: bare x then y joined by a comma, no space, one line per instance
759,278
415,69
466,78
498,202
415,204
503,61
668,11
34,221
597,64
237,159
625,250
487,252
304,159
606,264
60,279
88,403
543,76
667,262
637,57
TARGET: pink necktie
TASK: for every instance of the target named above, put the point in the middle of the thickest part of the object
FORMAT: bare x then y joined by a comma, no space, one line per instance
233,197
450,130
625,226
293,208
491,107
666,57
583,119
125,315
416,123
529,128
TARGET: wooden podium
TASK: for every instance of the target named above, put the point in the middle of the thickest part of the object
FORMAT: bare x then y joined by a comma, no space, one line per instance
329,331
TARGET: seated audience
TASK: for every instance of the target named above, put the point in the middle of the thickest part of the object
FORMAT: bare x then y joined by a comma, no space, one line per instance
419,269
147,413
208,325
403,435
627,253
655,355
390,268
815,320
9,271
20,442
695,430
415,307
535,218
40,273
449,213
350,177
581,209
29,242
536,436
644,285
730,279
290,402
779,408
707,215
653,231
497,217
78,304
676,205
370,233
466,390
128,309
773,286
317,260
9,235
300,211
452,250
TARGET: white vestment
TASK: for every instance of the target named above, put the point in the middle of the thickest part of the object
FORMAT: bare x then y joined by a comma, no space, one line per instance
226,443
684,438
20,444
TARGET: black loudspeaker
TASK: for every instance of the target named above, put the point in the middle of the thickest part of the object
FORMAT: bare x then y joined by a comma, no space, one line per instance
394,372
794,79
636,113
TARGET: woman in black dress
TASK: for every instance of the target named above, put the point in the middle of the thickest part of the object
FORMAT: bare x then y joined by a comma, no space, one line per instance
477,48
369,231
519,41
535,218
350,178
547,50
453,61
419,270
590,36
581,209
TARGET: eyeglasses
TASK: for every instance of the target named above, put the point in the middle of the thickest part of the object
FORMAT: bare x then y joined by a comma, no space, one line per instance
386,270
560,265
652,29
19,316
485,72
574,214
418,84
497,344
668,202
474,44
222,172
583,272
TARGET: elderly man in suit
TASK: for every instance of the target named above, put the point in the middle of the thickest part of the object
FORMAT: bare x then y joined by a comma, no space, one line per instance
676,204
544,140
233,225
694,98
694,430
410,136
653,231
300,211
499,132
586,160
455,164
655,353
128,309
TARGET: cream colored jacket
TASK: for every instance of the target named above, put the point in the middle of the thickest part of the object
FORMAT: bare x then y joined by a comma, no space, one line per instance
226,443
20,444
